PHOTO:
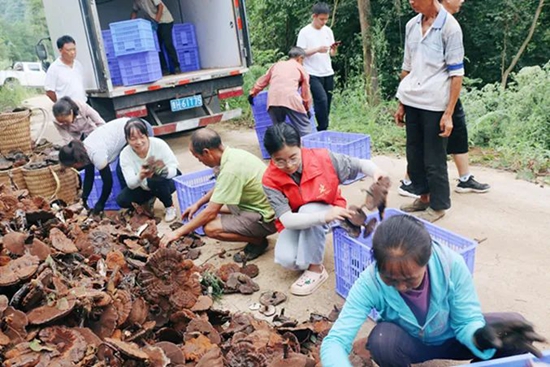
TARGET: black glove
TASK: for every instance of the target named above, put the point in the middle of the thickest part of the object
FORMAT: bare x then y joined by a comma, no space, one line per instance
513,334
251,99
98,208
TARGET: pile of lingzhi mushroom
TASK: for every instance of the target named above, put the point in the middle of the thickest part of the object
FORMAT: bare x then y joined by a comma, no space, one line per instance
75,291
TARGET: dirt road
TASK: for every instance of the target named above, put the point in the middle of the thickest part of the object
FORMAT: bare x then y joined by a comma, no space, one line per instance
512,223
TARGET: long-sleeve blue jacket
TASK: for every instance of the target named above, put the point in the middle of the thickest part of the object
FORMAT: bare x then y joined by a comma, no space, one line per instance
454,310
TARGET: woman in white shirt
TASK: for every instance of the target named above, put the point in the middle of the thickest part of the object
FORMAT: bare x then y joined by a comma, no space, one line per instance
75,119
148,166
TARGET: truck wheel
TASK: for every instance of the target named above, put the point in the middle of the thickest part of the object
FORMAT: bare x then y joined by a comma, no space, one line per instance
11,83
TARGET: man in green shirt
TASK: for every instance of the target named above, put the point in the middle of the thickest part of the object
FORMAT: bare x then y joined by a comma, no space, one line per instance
246,215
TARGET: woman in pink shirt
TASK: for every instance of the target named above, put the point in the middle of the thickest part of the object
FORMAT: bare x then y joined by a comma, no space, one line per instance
75,119
288,93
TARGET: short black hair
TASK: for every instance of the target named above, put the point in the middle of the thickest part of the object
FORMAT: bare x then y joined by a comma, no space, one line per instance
63,40
64,106
205,139
73,153
135,123
401,237
320,8
296,52
280,135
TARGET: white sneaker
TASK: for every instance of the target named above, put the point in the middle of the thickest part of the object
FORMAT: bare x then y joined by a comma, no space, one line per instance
170,214
308,283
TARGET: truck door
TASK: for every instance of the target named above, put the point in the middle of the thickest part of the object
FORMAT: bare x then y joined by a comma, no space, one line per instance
242,30
76,19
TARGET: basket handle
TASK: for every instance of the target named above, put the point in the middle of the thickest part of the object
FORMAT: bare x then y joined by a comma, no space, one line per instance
57,183
17,121
44,121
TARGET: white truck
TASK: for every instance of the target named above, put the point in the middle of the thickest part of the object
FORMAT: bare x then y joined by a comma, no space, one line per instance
26,74
224,51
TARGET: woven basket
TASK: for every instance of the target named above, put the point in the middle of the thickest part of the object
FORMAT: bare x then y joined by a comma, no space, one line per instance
51,183
15,131
13,178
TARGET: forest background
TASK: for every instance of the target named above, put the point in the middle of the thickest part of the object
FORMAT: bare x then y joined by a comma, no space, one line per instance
506,92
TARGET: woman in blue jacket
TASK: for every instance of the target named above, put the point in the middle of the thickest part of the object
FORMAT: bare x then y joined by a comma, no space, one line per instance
427,303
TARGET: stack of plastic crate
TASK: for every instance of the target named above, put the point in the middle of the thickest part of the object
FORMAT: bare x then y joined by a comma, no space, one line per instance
185,43
190,187
136,49
262,120
112,61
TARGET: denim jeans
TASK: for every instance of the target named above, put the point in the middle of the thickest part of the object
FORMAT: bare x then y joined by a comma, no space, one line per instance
321,90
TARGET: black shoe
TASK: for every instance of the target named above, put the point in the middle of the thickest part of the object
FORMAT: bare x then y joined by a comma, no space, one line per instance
471,186
251,252
407,190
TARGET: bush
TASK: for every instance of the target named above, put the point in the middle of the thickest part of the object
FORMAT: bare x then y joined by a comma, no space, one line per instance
13,96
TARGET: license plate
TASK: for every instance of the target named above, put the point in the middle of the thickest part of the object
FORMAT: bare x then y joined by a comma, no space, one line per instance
186,103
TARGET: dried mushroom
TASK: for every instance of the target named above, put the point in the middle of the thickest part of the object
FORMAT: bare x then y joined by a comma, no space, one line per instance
196,346
61,242
106,325
203,303
226,270
14,242
239,282
44,314
244,354
205,328
14,325
18,270
213,358
123,305
157,357
69,343
173,352
131,350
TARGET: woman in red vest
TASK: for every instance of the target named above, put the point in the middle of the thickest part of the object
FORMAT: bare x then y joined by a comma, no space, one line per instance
302,187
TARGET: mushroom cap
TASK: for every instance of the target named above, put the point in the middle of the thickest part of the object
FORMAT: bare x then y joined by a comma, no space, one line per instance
131,350
157,357
123,304
14,242
61,242
226,270
203,303
39,249
106,325
173,352
68,342
18,270
44,314
244,354
251,270
139,312
15,323
196,346
205,328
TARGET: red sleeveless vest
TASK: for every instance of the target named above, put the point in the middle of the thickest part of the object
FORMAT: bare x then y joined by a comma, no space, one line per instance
319,182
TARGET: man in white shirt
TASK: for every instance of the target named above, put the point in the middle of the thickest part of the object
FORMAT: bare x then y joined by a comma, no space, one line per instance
318,41
65,76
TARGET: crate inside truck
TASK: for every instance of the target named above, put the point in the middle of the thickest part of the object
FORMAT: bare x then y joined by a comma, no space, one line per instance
121,62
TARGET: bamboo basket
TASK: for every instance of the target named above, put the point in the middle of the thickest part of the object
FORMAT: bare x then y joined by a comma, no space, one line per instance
51,183
13,178
15,131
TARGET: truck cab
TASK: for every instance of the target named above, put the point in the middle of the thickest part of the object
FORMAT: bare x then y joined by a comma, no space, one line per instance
175,102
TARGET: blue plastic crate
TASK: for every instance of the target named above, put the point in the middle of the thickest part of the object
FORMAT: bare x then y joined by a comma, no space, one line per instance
262,120
132,36
95,194
191,187
108,43
515,361
140,68
184,36
353,255
354,145
189,59
114,69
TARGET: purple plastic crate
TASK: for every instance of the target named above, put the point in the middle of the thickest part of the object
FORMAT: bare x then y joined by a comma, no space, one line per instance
354,145
262,120
108,43
132,36
191,187
353,255
114,70
95,194
143,67
189,59
515,361
184,36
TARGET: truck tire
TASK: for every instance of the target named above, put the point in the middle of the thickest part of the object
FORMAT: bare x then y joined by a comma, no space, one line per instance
11,83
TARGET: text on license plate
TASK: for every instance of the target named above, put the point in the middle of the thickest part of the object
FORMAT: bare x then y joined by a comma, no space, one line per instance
186,103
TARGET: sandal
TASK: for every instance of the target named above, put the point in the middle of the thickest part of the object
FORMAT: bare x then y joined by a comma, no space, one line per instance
251,252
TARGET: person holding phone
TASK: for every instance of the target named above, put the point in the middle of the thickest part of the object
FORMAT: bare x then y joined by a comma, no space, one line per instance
317,40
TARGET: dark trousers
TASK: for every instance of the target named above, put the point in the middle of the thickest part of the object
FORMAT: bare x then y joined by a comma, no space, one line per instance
391,346
160,188
299,120
164,33
427,156
321,90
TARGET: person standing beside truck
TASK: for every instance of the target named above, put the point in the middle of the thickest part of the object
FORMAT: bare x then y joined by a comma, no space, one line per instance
75,119
284,97
317,40
164,22
65,76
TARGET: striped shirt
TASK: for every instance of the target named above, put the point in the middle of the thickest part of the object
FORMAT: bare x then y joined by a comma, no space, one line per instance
432,59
